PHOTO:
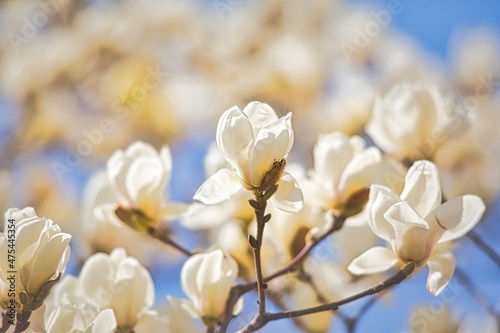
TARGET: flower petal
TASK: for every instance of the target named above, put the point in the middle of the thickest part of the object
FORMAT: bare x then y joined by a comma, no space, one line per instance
272,143
456,217
48,261
219,187
375,260
422,188
361,171
331,153
380,200
260,115
289,197
235,139
411,232
441,268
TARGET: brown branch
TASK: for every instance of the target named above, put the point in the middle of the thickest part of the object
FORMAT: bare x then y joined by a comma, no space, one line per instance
260,209
241,289
165,238
261,321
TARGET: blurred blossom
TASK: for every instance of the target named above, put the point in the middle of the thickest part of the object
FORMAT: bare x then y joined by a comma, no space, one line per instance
476,60
182,317
469,163
343,172
413,119
5,190
207,279
118,282
255,142
41,254
67,310
105,233
417,226
139,177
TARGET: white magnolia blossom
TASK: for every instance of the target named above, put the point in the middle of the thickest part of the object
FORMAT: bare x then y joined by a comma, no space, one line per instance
253,141
417,226
68,310
413,119
139,176
206,279
342,168
118,282
41,254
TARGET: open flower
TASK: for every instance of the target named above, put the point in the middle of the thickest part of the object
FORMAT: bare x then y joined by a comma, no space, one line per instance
138,177
413,119
343,172
118,282
255,143
41,254
207,279
417,226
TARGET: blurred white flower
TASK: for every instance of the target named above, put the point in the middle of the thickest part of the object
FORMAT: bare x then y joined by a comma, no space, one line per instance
67,310
343,172
255,142
139,177
207,279
413,119
120,283
182,316
417,226
41,254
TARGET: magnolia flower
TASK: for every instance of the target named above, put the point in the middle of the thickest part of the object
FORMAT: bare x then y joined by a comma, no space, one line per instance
67,310
41,254
139,176
255,143
207,278
120,283
343,172
412,120
417,226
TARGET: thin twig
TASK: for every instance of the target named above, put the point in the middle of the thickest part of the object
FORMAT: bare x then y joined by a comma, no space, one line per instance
165,238
241,289
260,321
488,250
260,210
474,292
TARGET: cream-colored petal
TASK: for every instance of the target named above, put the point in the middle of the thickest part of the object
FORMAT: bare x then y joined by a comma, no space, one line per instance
166,158
289,197
104,322
188,276
173,210
441,268
146,181
456,217
361,171
375,260
260,115
380,200
422,188
331,154
411,232
219,187
235,139
271,145
47,262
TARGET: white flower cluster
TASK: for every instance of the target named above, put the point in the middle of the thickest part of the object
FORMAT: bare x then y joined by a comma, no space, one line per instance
388,161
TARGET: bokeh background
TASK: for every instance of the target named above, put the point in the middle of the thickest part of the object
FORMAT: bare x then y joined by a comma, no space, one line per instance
81,79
